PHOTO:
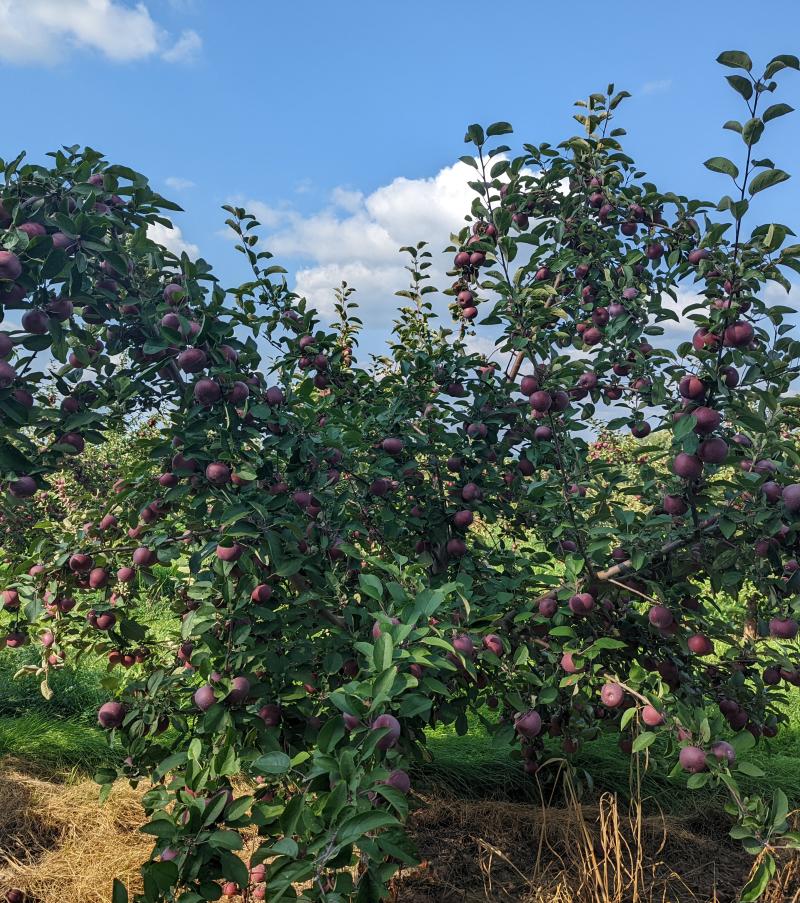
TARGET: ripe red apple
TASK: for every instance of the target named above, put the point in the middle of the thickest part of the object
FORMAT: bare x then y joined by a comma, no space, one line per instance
548,606
270,714
192,360
612,695
111,714
695,256
80,562
23,488
35,321
674,505
261,594
651,716
392,445
528,724
713,451
379,487
230,553
464,645
143,557
660,616
700,644
738,334
791,497
173,293
393,725
207,392
692,759
686,466
568,664
204,697
218,474
581,603
10,266
723,751
400,780
98,578
783,628
541,401
707,419
704,340
239,691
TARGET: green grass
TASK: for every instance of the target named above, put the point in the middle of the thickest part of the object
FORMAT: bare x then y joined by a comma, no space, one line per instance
475,766
62,732
50,742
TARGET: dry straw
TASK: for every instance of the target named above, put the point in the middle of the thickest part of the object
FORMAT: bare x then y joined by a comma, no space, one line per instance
58,845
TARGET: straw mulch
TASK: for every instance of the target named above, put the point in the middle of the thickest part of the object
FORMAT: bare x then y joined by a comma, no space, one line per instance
598,853
59,846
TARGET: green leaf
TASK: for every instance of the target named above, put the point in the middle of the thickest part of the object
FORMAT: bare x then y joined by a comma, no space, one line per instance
499,128
696,781
723,165
226,840
273,763
779,811
752,131
371,586
776,110
358,825
159,827
643,741
119,894
285,847
735,59
766,179
741,84
751,770
233,868
384,649
475,135
756,886
782,61
627,717
684,427
11,459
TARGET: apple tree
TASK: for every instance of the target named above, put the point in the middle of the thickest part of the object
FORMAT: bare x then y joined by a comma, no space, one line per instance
358,550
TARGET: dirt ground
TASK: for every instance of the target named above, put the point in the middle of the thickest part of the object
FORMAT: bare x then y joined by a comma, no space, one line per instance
59,846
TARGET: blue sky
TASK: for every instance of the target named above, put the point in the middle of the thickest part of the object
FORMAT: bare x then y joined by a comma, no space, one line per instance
339,122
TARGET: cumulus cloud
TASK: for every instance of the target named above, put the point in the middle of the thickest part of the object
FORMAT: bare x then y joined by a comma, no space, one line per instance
46,31
176,183
172,239
356,238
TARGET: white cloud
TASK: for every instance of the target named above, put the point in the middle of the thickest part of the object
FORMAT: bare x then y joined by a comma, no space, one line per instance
357,238
659,86
172,239
46,31
186,49
481,344
375,287
346,199
178,184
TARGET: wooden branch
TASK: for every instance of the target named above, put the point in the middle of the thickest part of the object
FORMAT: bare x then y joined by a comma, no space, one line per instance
617,570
